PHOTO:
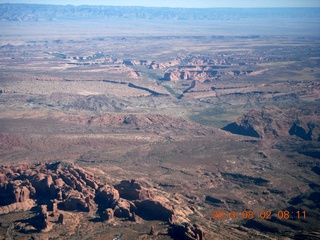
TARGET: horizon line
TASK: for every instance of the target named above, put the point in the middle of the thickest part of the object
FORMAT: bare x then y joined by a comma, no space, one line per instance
99,5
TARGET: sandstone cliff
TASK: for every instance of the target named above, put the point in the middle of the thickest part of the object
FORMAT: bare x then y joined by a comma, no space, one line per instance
66,187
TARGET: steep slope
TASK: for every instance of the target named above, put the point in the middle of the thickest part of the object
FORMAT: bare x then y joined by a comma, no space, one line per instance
272,122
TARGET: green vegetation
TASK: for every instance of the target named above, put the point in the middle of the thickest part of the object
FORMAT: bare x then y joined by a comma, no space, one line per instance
169,89
215,117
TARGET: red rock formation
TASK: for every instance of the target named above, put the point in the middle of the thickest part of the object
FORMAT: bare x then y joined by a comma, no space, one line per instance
22,193
42,222
3,178
87,178
133,191
15,191
54,209
186,231
108,214
272,122
71,188
71,185
172,76
134,74
155,209
17,207
122,208
153,231
196,73
74,200
106,195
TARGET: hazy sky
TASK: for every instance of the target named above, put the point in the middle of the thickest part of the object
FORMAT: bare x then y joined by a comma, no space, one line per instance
180,3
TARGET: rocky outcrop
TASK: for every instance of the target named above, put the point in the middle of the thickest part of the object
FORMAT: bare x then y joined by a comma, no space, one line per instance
272,122
71,186
150,123
88,178
172,76
134,74
186,74
305,132
155,209
61,219
108,214
186,231
248,125
61,187
124,208
43,222
133,191
153,231
106,195
74,201
18,207
15,191
42,183
242,129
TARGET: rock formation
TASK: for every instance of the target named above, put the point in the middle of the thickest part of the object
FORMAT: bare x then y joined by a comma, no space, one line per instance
67,187
151,123
43,222
172,76
61,219
17,207
273,122
133,191
200,73
153,231
187,231
108,214
62,187
123,208
155,209
106,195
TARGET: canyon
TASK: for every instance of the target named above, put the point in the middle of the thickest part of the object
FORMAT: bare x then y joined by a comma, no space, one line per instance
146,123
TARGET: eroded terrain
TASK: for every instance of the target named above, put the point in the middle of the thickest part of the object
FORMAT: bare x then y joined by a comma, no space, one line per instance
207,120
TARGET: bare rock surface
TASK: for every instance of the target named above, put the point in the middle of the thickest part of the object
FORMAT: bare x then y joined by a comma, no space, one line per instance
186,231
149,123
155,209
108,214
59,188
123,208
145,102
17,207
133,191
273,122
106,195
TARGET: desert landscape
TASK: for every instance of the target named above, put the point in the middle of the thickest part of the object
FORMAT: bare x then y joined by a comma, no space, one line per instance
159,123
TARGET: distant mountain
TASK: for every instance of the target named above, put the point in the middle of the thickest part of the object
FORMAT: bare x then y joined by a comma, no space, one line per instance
38,12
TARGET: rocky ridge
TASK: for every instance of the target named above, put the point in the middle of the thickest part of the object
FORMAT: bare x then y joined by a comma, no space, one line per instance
52,189
152,123
202,75
273,122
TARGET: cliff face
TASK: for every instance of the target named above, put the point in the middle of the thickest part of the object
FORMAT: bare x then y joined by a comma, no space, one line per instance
303,123
73,189
64,190
190,75
201,75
